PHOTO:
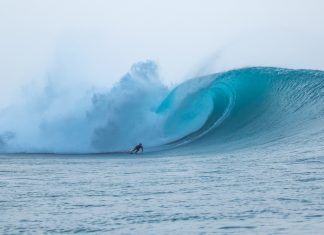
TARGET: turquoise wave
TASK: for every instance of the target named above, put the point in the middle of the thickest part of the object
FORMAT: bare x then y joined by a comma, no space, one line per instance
246,106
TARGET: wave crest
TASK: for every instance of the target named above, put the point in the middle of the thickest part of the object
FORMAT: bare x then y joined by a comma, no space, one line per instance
228,110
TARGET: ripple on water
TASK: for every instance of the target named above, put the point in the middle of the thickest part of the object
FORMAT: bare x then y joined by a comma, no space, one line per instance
180,195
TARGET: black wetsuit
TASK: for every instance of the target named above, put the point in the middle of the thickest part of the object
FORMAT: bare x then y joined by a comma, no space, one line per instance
138,148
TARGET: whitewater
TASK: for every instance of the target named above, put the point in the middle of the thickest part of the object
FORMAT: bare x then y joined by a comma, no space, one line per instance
235,152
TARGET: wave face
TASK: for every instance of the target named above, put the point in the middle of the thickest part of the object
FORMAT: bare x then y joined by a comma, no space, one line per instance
235,109
246,107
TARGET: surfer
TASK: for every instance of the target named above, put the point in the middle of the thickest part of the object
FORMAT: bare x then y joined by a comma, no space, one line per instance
137,148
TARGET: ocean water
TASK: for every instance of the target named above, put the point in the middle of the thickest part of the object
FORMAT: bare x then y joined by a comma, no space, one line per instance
238,152
242,192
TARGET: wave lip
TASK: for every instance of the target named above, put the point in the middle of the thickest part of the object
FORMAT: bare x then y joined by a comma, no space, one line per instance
195,108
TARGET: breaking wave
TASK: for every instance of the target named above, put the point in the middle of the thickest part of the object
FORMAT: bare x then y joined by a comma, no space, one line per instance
234,109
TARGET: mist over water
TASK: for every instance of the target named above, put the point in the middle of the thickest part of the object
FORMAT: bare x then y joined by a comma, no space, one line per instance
126,114
58,118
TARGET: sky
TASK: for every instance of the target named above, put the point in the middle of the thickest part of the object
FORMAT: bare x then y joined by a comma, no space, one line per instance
95,42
